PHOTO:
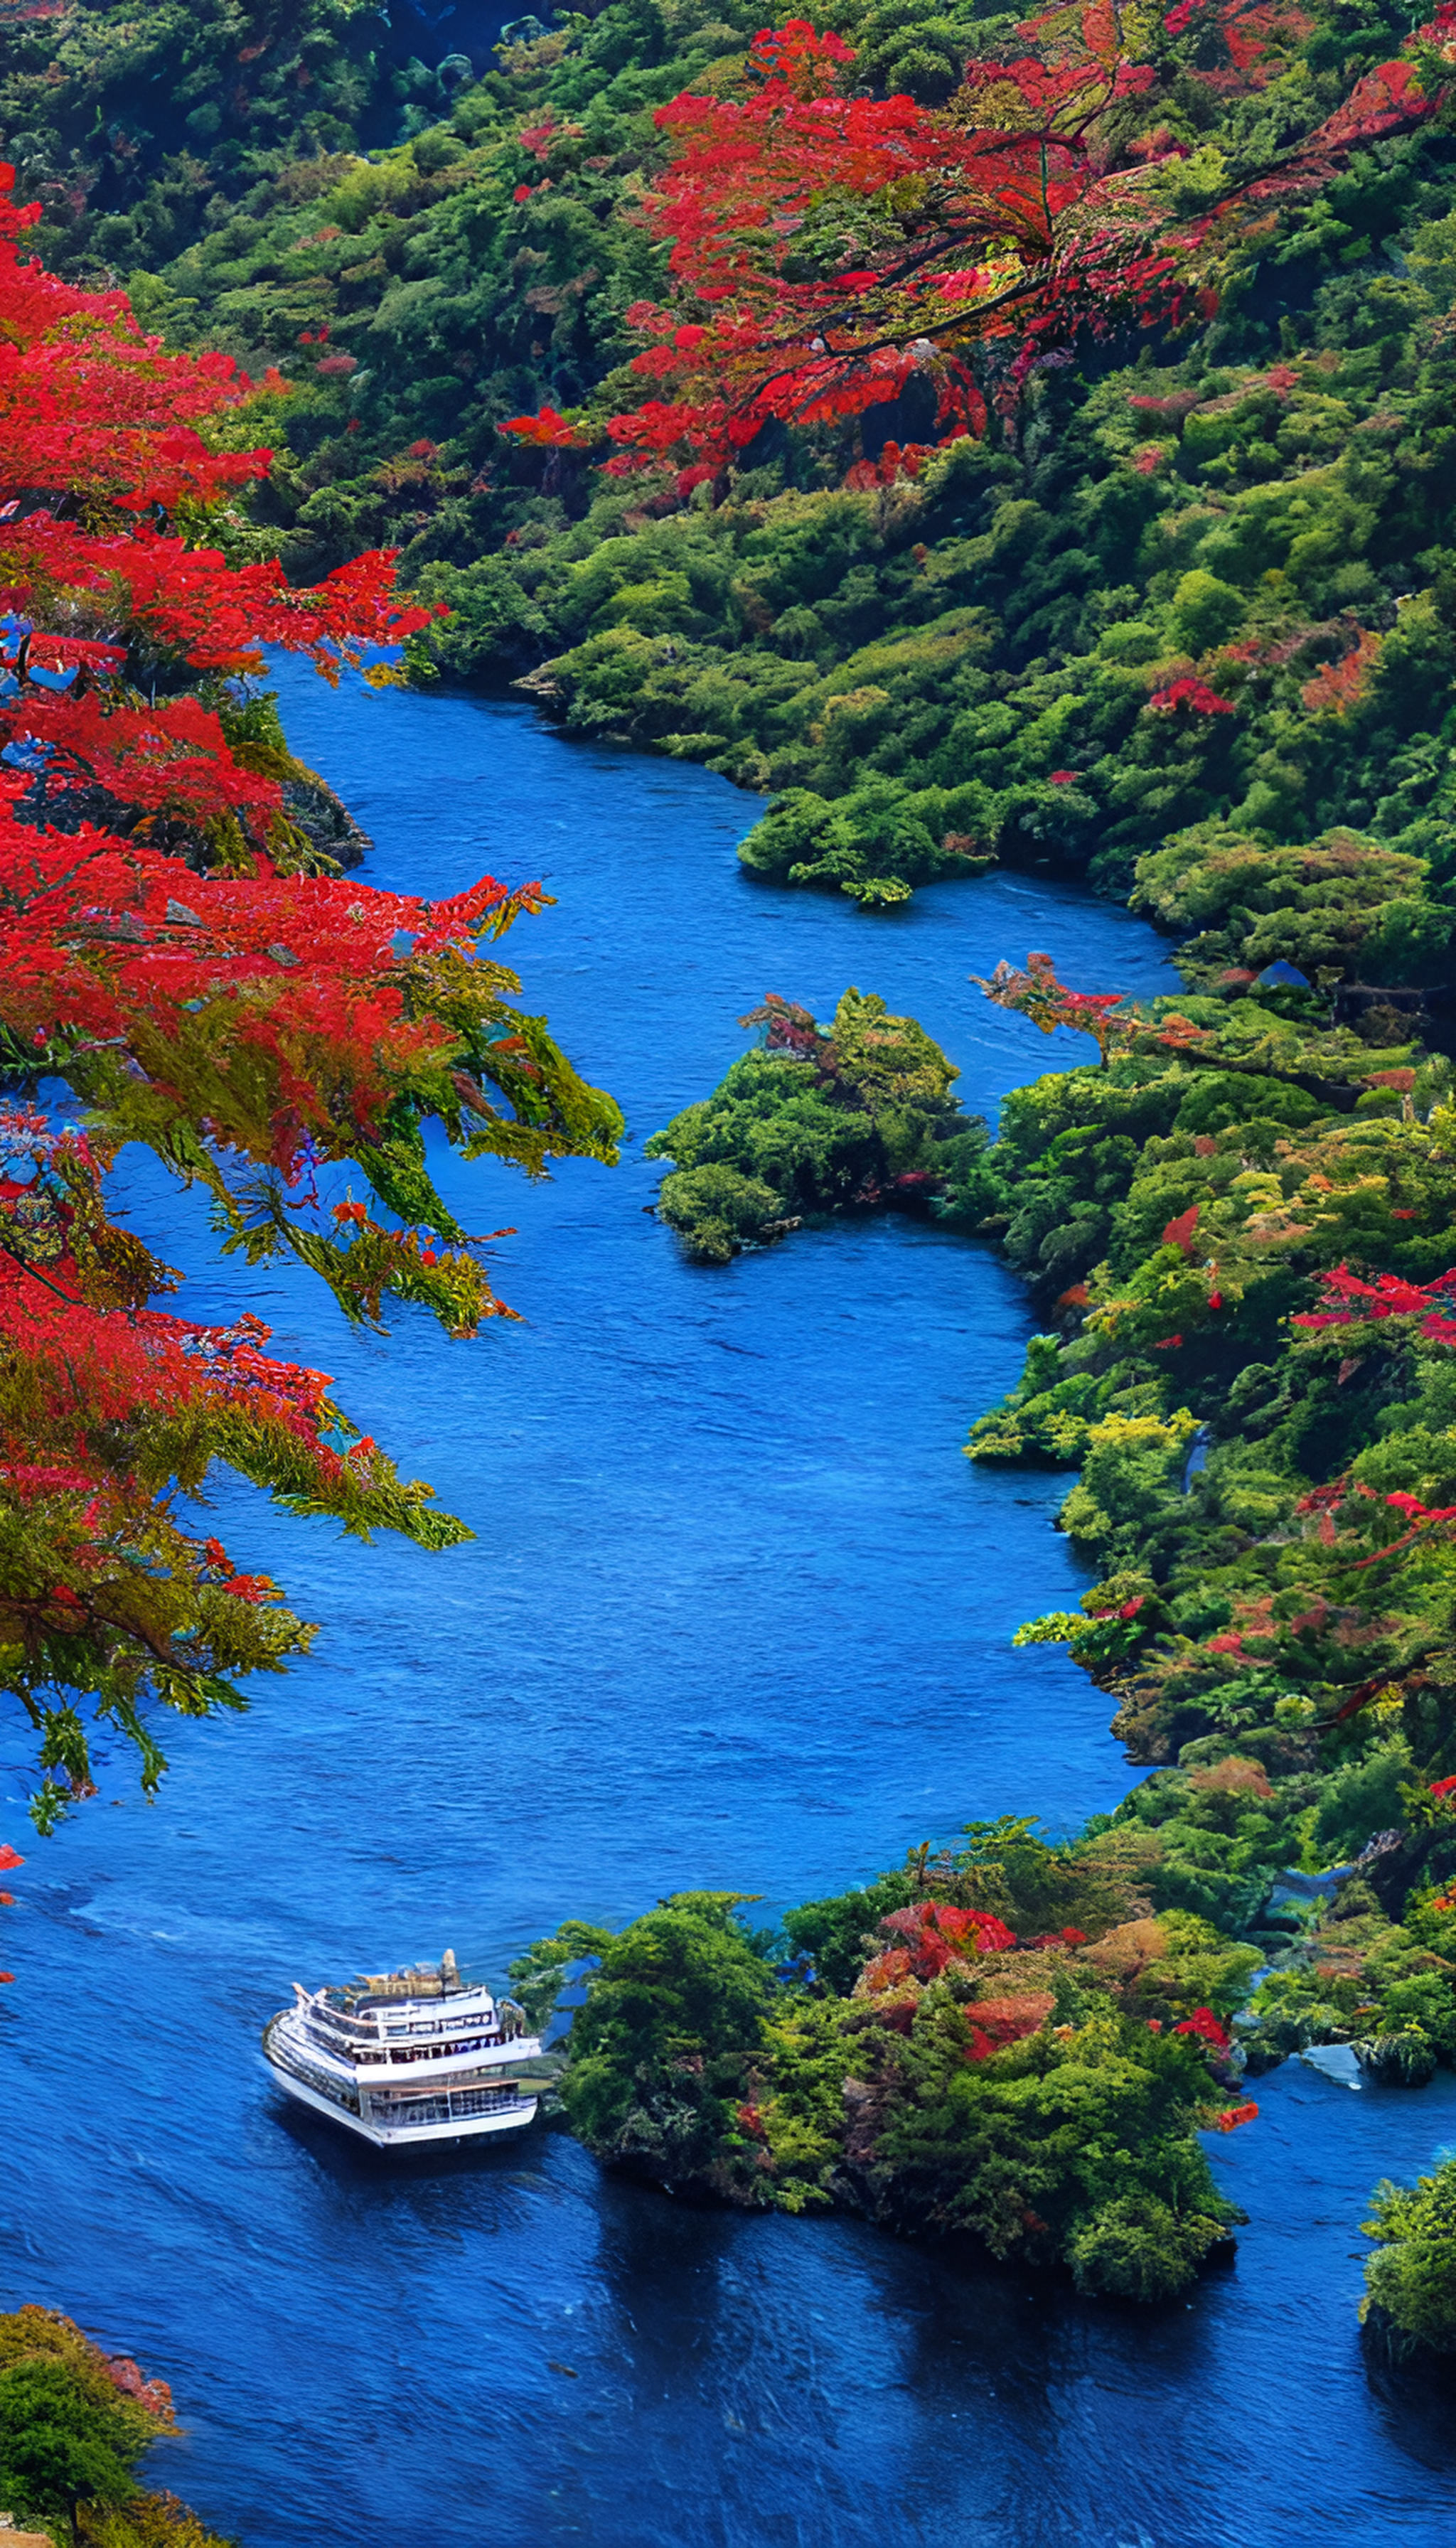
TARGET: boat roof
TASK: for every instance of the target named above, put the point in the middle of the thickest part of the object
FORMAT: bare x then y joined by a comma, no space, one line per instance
411,1986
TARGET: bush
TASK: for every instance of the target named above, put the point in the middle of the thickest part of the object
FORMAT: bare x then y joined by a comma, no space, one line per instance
1138,2248
1411,2281
713,1210
73,2426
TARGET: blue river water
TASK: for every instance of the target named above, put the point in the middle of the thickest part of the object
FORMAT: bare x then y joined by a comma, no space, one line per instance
737,1614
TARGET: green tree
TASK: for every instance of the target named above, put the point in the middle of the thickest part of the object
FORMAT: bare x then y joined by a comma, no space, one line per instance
661,2050
1410,2280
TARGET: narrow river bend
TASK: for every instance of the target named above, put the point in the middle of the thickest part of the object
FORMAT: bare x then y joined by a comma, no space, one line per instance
737,1614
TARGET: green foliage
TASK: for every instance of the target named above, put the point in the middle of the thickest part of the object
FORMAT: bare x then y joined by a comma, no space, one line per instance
673,2018
1028,2149
1336,908
74,2427
1346,1974
1136,2247
974,664
816,1121
1410,2280
713,1210
1016,2089
57,2445
123,122
837,1934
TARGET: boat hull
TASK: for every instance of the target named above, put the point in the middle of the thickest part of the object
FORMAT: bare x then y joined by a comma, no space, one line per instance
381,2135
448,2107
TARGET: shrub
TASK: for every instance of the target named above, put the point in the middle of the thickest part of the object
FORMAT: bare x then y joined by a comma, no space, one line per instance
1410,2280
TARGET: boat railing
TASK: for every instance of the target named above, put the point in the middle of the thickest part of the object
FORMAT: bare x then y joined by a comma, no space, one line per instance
448,2106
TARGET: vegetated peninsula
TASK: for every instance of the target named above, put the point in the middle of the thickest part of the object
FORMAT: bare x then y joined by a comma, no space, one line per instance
1267,1489
991,442
816,1120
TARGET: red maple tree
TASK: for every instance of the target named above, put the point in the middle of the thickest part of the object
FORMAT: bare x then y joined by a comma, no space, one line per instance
254,1026
1035,992
826,247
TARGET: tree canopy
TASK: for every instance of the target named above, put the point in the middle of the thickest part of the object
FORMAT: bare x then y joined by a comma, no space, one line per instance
827,247
173,963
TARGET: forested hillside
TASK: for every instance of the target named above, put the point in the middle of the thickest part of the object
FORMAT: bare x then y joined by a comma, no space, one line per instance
1196,575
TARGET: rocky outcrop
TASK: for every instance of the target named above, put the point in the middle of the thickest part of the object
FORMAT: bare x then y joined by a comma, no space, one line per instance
313,809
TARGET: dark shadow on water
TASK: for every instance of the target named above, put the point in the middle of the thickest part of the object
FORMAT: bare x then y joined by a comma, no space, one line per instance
340,2153
1417,2404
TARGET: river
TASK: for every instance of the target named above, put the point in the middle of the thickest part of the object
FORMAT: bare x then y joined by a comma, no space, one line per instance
737,1614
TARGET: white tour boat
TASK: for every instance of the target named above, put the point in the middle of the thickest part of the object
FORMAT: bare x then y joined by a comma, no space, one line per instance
406,2057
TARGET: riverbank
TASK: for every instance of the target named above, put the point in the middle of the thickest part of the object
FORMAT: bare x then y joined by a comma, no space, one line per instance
751,1625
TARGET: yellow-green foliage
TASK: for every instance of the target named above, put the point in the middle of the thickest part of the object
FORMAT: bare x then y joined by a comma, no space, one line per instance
71,2434
819,1120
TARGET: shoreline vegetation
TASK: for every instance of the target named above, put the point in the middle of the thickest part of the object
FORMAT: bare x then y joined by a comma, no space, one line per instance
1181,622
74,2423
940,2050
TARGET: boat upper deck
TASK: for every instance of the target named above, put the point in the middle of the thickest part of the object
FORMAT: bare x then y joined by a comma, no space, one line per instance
419,2014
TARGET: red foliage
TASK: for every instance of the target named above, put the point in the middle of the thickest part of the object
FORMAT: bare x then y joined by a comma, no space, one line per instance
939,1933
1179,1233
554,431
95,1360
1233,2116
996,2023
96,940
1338,688
1347,1299
827,246
93,408
1415,1510
1037,994
1207,2027
1021,237
894,463
1195,695
155,2395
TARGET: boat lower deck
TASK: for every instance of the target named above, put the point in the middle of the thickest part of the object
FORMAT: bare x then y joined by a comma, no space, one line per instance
462,2115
